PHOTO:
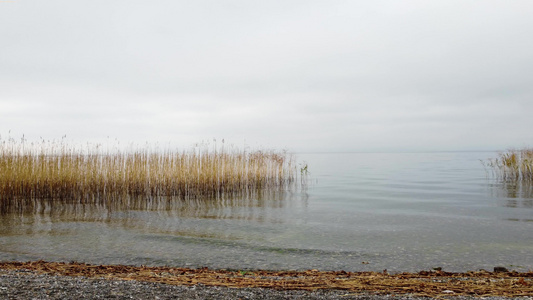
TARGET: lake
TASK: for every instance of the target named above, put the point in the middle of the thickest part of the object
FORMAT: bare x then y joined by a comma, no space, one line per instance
359,212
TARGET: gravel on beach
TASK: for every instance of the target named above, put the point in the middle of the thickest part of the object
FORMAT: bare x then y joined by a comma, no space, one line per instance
21,284
48,280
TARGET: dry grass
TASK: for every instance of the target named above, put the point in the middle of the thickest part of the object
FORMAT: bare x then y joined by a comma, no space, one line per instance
90,174
513,165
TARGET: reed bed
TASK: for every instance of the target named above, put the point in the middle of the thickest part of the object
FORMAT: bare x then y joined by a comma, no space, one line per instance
88,174
513,165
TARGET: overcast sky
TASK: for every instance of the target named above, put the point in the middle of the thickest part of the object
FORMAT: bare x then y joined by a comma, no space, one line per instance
302,75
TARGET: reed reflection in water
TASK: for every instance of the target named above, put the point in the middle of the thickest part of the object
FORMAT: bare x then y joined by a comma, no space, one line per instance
98,232
514,194
245,208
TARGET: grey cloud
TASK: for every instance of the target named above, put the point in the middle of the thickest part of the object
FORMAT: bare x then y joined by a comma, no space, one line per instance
337,75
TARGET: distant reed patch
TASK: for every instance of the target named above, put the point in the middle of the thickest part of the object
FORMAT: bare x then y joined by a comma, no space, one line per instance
89,174
513,165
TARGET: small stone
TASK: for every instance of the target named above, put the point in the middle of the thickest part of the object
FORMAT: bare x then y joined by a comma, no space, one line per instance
500,269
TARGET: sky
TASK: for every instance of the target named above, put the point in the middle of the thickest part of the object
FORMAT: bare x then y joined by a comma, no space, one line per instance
301,75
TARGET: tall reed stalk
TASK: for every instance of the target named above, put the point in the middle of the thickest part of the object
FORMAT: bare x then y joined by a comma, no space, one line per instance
513,165
57,170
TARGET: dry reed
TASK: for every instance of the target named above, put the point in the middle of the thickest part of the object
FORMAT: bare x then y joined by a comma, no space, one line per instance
57,170
513,165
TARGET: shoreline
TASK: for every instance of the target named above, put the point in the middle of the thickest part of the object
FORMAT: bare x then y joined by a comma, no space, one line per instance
336,283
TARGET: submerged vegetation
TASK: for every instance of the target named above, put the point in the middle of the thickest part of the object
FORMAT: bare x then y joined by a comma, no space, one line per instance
513,165
59,171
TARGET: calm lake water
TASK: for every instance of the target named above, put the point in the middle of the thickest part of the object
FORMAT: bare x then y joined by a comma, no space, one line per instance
361,211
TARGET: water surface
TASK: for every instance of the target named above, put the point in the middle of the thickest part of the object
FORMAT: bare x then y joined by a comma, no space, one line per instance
361,211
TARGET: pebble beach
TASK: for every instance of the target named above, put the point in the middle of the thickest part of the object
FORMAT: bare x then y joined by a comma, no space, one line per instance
45,280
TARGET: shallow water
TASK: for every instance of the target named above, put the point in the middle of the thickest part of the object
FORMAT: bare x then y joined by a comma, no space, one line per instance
361,211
